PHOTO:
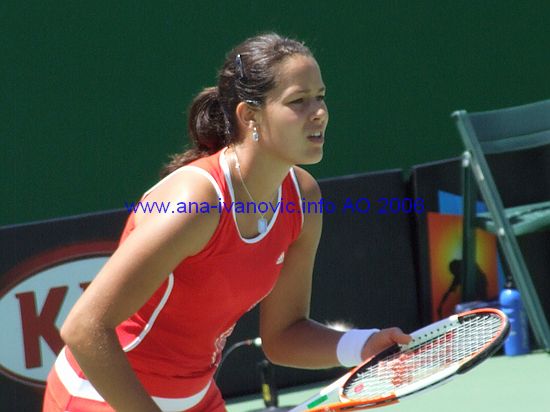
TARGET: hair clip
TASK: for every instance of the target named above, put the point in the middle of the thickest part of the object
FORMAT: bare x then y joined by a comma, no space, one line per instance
254,103
239,66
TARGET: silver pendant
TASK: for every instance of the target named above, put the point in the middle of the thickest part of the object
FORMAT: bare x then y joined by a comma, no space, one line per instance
262,225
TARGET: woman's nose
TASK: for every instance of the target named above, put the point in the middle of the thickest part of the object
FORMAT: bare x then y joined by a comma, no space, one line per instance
320,113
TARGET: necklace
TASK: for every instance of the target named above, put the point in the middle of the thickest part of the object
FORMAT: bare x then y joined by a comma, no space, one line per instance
262,221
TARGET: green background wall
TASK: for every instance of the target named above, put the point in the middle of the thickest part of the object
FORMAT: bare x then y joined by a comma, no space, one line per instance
93,95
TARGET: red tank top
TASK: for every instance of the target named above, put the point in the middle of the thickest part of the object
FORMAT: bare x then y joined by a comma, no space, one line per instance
174,341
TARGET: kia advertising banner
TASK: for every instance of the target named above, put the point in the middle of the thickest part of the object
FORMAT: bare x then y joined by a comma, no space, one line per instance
45,266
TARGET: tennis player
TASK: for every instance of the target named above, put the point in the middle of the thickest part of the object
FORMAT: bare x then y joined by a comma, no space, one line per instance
148,332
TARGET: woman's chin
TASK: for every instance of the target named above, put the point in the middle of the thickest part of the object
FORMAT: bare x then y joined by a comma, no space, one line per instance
313,158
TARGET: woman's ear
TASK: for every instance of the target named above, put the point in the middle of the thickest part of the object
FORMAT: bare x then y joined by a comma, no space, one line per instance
245,114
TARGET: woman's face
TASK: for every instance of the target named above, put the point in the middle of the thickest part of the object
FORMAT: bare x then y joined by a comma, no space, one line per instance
294,118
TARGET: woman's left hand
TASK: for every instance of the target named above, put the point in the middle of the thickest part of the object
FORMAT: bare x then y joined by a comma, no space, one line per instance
382,340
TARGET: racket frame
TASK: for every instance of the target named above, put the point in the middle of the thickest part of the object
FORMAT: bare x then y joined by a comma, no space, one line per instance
332,399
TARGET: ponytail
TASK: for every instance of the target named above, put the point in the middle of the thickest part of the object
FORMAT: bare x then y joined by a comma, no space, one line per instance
206,126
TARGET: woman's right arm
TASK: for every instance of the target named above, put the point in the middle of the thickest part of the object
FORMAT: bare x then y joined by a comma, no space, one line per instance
133,273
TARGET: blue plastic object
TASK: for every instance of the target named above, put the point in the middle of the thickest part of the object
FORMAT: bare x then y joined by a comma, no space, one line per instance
517,342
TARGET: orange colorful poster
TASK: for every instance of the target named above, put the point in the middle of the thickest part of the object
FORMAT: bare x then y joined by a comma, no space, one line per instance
445,256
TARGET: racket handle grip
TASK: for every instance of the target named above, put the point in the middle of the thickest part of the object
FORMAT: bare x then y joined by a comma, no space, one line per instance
269,389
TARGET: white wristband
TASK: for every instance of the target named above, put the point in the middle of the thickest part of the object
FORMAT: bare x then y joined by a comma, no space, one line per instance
351,345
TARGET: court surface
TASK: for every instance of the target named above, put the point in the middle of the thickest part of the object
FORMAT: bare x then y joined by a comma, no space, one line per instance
503,384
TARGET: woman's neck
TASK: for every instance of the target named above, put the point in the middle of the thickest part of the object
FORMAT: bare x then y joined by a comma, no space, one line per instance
255,173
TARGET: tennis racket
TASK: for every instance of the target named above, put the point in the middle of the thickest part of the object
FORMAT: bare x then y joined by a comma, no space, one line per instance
436,353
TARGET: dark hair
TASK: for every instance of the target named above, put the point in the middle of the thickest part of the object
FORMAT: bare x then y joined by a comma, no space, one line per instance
248,74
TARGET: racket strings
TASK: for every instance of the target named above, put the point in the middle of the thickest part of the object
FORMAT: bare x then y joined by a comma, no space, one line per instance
419,362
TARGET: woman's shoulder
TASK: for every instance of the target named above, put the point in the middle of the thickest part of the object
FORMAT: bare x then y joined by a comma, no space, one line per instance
174,193
187,178
309,187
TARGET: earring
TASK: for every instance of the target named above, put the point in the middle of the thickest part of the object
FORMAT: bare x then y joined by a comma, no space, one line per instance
255,134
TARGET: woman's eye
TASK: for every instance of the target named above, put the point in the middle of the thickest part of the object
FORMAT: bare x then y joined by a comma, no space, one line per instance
297,101
321,97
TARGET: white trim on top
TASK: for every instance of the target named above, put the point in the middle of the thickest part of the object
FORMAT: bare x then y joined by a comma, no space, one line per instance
227,173
82,388
149,325
298,192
